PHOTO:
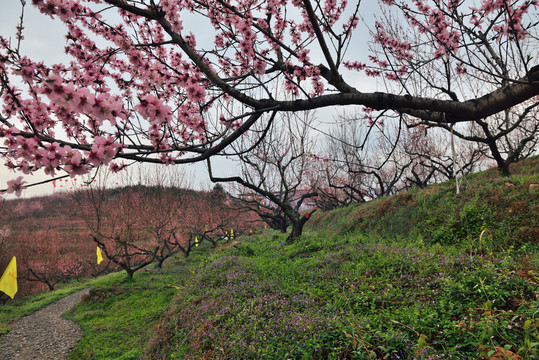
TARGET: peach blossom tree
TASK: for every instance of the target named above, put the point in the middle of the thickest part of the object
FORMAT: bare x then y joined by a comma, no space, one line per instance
142,84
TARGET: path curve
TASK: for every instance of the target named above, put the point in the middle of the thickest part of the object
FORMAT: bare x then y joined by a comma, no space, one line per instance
44,334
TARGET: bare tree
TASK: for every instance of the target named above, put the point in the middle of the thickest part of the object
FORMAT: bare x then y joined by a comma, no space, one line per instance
370,159
116,226
472,52
274,173
135,225
386,157
432,159
508,137
225,217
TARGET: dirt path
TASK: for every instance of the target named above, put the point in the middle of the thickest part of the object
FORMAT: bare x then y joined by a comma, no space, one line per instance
44,334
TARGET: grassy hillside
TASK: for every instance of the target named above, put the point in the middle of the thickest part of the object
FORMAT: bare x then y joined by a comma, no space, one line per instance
506,207
406,277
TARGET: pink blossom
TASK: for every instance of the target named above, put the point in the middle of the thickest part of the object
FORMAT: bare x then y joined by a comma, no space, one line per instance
117,167
16,186
303,56
392,76
460,69
259,66
195,92
356,65
151,108
167,158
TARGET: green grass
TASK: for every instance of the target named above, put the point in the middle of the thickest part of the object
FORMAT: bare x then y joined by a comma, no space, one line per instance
406,277
503,205
350,296
119,316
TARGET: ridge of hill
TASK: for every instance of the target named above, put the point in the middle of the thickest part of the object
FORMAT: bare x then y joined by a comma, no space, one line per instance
507,208
17,212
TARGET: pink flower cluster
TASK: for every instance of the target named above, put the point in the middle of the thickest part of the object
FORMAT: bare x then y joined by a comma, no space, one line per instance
446,37
36,155
402,50
511,26
154,110
355,65
103,150
333,11
15,186
69,100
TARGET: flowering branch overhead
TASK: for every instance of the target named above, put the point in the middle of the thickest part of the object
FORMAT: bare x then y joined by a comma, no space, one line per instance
145,85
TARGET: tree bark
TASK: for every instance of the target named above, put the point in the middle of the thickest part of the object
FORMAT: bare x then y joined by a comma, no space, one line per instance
297,228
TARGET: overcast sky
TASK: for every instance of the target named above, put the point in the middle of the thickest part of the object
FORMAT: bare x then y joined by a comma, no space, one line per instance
45,40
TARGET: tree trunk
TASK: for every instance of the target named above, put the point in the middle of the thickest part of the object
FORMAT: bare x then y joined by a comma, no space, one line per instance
503,168
283,225
129,272
277,222
297,228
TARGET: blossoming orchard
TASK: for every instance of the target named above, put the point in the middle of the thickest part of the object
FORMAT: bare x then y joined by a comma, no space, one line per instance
142,86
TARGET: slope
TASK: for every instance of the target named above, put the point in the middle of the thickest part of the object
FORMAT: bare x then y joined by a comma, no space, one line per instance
423,274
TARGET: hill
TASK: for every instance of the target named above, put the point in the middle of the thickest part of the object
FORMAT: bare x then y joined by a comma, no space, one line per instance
53,237
425,274
422,274
505,207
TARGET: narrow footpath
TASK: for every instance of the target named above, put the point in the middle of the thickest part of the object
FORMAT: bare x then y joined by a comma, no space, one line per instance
43,335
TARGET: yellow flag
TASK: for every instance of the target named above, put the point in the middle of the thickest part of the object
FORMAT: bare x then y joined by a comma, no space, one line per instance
196,241
8,282
99,256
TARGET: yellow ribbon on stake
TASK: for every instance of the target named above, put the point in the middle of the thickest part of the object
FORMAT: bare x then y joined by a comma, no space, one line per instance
8,281
99,256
